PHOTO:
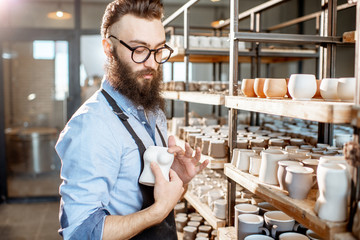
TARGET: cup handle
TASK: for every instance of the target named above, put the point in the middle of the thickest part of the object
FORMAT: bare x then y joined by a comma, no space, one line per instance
273,230
265,230
296,226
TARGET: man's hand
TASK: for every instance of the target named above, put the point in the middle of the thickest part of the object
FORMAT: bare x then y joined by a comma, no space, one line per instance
185,164
166,194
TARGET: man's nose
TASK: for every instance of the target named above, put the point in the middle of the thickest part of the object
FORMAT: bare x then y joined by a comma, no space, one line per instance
151,63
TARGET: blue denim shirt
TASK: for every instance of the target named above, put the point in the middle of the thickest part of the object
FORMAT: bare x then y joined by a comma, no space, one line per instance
101,163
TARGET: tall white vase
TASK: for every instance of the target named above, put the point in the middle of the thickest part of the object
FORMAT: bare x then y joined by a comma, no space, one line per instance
333,180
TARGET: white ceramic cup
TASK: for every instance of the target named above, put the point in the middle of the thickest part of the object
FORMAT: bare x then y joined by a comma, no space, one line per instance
328,89
204,41
244,208
279,222
292,236
258,237
302,86
243,162
269,165
299,180
312,235
281,173
249,224
162,157
346,89
193,41
219,210
255,163
215,42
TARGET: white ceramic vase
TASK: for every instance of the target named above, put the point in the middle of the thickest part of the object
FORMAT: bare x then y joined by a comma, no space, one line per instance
302,86
162,157
333,180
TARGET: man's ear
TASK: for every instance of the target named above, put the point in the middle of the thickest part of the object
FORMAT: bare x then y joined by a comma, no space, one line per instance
108,47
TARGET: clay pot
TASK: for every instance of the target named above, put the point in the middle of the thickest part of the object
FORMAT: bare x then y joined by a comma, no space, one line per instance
259,87
247,87
275,87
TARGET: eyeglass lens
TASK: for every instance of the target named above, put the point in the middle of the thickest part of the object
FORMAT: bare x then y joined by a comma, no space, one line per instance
141,54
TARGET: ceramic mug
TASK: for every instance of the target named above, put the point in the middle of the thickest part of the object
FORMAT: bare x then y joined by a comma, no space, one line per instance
244,208
269,165
302,86
255,163
279,222
249,224
299,180
243,162
281,173
258,237
219,209
292,236
162,157
312,235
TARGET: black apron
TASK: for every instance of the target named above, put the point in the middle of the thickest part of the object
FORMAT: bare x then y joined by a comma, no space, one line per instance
166,229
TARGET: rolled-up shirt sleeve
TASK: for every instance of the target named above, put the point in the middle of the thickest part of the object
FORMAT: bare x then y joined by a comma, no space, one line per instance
90,165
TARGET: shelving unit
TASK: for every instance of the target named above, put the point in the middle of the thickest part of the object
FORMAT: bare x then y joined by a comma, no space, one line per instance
204,211
315,110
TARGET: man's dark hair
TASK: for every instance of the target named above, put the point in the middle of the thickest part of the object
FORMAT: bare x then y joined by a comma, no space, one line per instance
148,9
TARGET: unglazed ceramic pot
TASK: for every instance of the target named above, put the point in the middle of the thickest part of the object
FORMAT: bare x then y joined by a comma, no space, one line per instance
249,224
162,157
302,86
278,222
247,87
292,236
269,165
328,89
333,180
259,87
258,237
299,180
275,88
244,208
243,162
346,89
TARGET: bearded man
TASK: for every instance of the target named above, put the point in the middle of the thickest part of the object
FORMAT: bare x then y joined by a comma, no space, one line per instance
102,145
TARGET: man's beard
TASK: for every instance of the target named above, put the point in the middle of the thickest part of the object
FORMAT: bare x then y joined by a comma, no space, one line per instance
125,82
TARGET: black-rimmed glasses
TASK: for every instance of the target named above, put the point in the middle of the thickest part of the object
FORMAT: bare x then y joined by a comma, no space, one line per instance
140,54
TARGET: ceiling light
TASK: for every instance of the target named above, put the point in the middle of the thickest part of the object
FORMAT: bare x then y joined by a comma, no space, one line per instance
59,14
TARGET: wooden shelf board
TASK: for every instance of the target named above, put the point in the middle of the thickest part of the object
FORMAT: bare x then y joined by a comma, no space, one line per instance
204,211
314,110
227,233
268,55
203,98
214,163
173,95
301,210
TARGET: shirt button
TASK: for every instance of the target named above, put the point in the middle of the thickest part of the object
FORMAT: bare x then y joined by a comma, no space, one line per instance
144,123
128,109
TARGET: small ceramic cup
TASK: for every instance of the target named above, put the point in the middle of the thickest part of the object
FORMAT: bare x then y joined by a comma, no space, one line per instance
292,236
247,87
312,235
275,88
250,224
328,89
259,87
346,89
302,86
299,180
281,173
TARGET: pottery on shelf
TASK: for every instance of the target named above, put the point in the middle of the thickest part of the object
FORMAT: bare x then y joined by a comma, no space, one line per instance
218,149
259,87
328,89
269,165
346,89
299,180
247,87
275,88
302,86
162,157
317,94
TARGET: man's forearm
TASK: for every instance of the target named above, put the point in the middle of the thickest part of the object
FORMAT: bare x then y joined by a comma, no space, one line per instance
124,227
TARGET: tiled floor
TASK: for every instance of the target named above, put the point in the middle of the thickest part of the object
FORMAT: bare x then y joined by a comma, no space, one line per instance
33,221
